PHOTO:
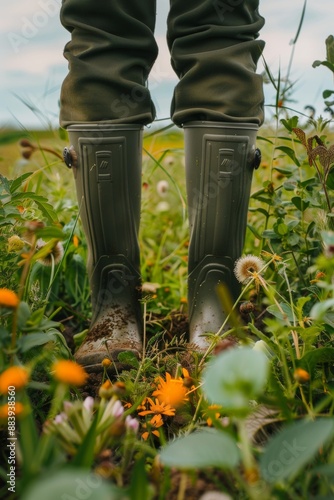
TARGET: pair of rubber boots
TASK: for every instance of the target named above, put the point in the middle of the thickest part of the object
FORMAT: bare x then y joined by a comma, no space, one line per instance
106,162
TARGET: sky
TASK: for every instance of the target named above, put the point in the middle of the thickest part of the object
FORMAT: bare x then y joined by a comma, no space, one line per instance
33,67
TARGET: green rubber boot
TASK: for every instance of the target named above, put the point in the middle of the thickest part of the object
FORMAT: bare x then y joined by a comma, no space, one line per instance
220,158
106,161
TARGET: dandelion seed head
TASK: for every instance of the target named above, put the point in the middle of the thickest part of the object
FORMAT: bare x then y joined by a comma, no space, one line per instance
53,256
246,266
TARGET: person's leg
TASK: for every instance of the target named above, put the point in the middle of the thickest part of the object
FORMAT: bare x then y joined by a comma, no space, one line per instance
110,55
214,51
219,102
104,104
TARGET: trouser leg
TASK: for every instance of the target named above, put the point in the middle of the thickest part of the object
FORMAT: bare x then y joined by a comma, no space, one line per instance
111,52
214,51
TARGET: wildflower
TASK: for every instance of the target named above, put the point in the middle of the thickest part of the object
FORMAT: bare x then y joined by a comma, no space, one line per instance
16,376
301,375
14,244
131,424
75,241
159,408
184,300
152,426
8,298
106,390
318,277
52,255
171,391
246,267
69,372
106,362
28,148
213,413
5,410
162,188
163,206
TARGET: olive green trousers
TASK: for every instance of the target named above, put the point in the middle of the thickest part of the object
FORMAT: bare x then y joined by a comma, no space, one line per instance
214,52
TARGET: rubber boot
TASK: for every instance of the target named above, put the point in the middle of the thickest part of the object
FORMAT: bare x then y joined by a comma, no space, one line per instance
106,161
220,158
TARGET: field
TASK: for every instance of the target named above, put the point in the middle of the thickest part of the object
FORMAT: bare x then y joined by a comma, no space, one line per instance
247,420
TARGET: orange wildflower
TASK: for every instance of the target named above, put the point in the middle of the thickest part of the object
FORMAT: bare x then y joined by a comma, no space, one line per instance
158,408
6,410
69,372
75,241
171,391
152,427
16,376
301,375
8,298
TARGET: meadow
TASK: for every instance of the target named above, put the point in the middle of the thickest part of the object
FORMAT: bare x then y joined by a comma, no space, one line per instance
242,422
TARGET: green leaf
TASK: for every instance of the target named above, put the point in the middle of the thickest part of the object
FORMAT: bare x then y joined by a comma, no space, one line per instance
293,448
320,308
291,123
300,203
34,339
128,358
140,488
282,312
234,377
72,484
318,356
85,454
290,153
19,181
204,448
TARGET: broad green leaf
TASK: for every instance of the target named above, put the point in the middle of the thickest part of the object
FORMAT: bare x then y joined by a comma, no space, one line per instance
205,448
282,312
234,377
320,308
290,153
300,203
72,484
289,451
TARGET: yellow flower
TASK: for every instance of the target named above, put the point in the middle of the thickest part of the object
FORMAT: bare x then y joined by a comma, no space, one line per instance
106,362
14,244
75,241
158,408
8,298
5,410
16,376
301,375
171,391
69,372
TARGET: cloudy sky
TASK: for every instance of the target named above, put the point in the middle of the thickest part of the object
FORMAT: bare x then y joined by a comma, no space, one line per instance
32,40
